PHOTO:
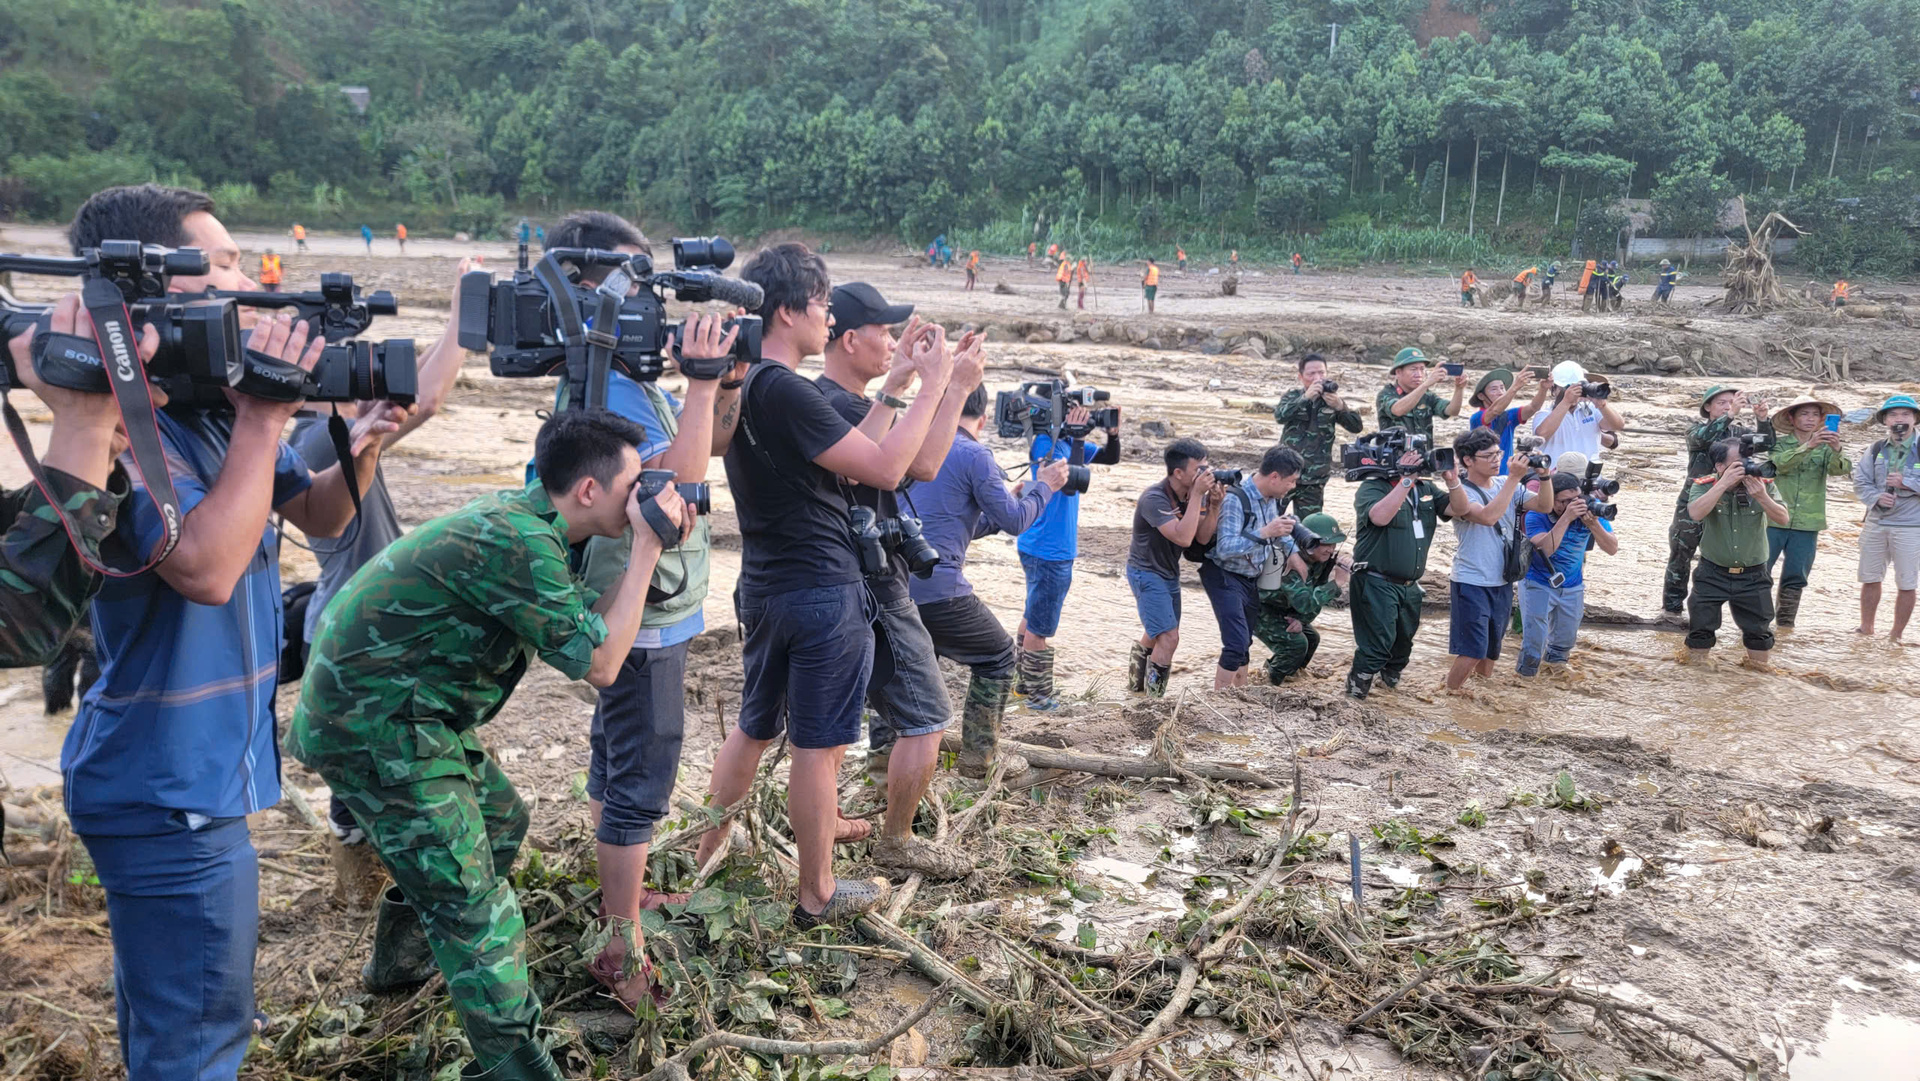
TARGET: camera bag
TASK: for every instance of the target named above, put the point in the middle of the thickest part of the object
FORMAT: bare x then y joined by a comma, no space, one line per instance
1518,551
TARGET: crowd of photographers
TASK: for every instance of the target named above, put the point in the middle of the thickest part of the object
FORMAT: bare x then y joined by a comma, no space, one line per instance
173,382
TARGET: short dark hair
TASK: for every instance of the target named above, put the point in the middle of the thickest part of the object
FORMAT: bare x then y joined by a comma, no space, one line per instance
596,229
976,403
1182,451
576,443
1282,460
790,275
1723,450
148,213
1472,442
1564,482
1309,359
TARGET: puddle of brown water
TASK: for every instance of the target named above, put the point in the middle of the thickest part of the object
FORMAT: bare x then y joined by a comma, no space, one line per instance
1875,1047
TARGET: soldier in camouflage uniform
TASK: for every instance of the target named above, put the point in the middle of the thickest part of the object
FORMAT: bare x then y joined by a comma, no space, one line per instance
1718,409
1307,415
421,647
1313,579
1411,380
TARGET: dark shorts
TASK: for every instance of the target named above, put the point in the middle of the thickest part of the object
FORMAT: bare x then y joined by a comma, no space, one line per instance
965,631
807,654
905,689
1047,583
1236,607
636,735
1481,615
1157,599
1150,290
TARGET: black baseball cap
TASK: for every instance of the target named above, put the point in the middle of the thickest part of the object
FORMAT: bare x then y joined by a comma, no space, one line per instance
857,304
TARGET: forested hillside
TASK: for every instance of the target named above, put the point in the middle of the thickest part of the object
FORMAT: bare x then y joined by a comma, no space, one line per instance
1215,123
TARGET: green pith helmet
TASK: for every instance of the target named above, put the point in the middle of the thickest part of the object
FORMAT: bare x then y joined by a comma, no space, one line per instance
1713,392
1325,527
1504,376
1898,401
1407,356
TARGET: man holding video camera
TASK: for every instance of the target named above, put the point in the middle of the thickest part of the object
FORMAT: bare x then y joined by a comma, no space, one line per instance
1170,518
806,616
175,744
1310,581
1733,505
1719,419
1047,551
1553,595
1408,402
1253,537
1398,510
422,647
1307,416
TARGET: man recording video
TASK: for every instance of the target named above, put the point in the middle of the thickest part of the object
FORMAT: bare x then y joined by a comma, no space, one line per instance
1553,595
1310,581
1733,505
1253,537
422,647
174,745
1307,415
47,581
967,500
1169,519
1047,551
1408,401
1397,513
1719,410
806,618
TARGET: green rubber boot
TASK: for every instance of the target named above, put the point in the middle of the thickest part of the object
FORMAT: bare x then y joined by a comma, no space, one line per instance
1137,668
980,730
401,956
529,1062
1036,671
1158,676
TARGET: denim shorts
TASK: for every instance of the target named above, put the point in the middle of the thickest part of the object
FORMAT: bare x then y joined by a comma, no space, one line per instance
637,731
807,655
1047,583
1158,600
1480,617
905,689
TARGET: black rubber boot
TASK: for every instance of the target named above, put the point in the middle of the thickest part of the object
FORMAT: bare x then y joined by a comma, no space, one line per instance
401,956
529,1062
1788,606
1158,676
1359,685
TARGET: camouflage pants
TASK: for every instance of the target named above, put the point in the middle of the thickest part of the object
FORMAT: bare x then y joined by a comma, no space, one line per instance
447,823
1291,650
1683,540
1308,499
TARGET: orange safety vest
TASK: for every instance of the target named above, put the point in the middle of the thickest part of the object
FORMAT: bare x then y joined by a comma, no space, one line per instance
1839,290
973,261
1180,254
1153,275
1296,258
1084,274
400,231
269,270
1586,276
1031,248
1526,275
1466,280
1053,249
1064,273
299,232
1235,259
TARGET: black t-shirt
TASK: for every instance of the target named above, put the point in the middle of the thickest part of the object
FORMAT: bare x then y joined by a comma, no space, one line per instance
794,532
853,407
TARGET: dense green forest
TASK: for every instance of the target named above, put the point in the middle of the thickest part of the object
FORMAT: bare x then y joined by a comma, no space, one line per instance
1364,129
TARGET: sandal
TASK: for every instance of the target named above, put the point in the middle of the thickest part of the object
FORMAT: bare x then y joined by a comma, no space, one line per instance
850,830
851,897
606,970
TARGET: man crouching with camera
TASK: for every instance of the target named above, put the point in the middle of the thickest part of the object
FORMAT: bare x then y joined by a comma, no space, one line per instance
1733,507
1553,595
423,646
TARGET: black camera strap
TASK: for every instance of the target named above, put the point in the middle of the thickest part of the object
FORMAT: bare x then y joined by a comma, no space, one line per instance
589,351
114,334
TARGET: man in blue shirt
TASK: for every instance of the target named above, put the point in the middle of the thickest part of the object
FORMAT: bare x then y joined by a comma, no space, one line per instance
1047,551
1493,407
1553,595
966,500
174,745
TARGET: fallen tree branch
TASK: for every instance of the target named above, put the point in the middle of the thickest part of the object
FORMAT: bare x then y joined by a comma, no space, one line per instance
1467,928
1109,765
675,1068
1607,1002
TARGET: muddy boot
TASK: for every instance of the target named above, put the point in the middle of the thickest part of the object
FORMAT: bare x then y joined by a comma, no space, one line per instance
980,730
919,856
401,956
1359,685
1158,676
1036,671
1787,607
529,1062
1137,668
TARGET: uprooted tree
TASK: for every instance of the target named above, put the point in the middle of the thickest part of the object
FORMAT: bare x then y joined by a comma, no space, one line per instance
1752,285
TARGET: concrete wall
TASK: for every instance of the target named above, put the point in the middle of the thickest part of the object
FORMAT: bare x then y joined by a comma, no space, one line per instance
1706,247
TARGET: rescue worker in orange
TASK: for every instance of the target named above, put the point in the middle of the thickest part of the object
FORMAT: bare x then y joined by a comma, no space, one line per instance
299,237
1180,257
1083,274
1520,283
1064,275
400,234
1296,263
1839,297
270,272
1150,283
1467,281
973,269
1587,284
1032,247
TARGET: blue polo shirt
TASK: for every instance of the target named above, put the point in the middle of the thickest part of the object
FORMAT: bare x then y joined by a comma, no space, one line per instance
1056,534
181,719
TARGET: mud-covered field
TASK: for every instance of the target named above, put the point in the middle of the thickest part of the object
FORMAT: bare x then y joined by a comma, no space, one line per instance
1747,870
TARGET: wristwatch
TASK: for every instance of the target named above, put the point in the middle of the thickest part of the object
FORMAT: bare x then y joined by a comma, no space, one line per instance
889,400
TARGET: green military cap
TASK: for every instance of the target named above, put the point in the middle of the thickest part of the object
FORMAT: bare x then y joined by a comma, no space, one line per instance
1325,527
1502,375
1407,356
1898,401
1713,392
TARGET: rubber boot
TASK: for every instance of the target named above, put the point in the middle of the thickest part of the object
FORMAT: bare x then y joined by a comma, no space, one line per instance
1137,668
980,730
401,956
1787,607
1158,676
1019,673
529,1062
1036,667
1359,685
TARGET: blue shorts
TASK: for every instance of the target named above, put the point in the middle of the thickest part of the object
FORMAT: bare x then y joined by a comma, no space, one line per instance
1480,618
1158,600
1047,584
807,654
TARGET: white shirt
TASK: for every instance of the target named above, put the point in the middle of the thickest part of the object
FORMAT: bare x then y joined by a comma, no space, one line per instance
1579,432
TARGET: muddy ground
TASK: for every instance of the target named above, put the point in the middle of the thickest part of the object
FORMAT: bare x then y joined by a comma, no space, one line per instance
1726,902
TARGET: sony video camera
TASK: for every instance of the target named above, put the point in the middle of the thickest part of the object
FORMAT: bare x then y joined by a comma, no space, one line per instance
1378,454
547,320
1043,407
876,538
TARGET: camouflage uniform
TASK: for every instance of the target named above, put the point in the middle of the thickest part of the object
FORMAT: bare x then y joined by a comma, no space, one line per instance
1297,598
1418,421
419,648
1683,535
44,586
1307,426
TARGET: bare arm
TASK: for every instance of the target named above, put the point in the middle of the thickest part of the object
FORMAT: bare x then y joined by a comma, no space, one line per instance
883,465
1777,512
1703,505
1185,529
1383,511
626,602
691,451
969,366
1459,395
439,366
1539,402
1551,422
1603,537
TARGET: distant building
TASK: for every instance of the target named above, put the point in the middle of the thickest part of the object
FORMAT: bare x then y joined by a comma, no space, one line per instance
359,97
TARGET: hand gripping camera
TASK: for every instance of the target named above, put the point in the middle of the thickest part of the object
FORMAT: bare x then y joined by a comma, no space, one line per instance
1529,445
1596,490
1043,407
546,320
1378,454
876,538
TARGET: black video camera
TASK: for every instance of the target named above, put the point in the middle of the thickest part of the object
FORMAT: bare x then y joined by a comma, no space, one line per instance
1043,407
1526,445
1752,443
877,538
1596,490
1378,454
546,320
348,371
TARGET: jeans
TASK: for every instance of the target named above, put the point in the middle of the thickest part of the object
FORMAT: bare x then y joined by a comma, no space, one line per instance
1799,545
905,689
1549,621
1236,607
1047,583
184,905
636,735
807,655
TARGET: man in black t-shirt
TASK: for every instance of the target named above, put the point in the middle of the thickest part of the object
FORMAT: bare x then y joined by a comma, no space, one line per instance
905,690
805,614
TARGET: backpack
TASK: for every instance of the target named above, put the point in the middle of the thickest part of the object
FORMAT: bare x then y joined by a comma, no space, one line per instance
293,643
1517,550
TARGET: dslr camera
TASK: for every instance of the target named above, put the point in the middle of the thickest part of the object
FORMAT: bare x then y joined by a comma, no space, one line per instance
1043,407
696,493
1378,454
546,320
1753,443
877,538
1596,490
1595,391
1527,447
1228,478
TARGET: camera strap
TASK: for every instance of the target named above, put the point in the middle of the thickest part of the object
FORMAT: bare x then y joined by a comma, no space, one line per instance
589,351
114,334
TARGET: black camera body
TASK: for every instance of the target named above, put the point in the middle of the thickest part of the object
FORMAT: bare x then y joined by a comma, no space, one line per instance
1328,386
1751,444
697,495
1043,407
1596,392
877,538
543,320
1596,490
1378,454
1228,478
1525,446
